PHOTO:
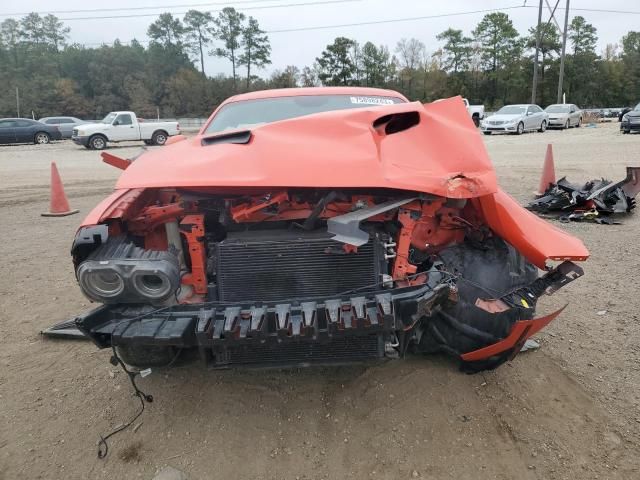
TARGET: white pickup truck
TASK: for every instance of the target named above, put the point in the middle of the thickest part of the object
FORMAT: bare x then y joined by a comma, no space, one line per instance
123,127
476,111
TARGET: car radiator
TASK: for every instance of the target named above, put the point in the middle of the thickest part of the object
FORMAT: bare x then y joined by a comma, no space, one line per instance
283,265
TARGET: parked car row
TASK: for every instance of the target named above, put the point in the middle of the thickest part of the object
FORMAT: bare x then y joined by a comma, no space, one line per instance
527,117
115,127
125,126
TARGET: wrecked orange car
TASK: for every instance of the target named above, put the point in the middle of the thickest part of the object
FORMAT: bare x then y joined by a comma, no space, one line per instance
318,225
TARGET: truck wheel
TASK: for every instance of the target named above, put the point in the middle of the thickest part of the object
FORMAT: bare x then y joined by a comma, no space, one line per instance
144,356
159,137
41,138
98,142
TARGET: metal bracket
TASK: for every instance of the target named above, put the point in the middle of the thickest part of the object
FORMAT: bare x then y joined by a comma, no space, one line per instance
346,228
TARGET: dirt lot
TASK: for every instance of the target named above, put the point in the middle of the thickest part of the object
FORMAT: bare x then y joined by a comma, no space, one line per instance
568,410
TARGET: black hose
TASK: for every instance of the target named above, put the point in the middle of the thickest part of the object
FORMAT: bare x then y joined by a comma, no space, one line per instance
310,222
442,342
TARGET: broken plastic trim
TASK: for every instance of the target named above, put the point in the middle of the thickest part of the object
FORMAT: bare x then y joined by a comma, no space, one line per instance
66,329
526,298
589,201
521,331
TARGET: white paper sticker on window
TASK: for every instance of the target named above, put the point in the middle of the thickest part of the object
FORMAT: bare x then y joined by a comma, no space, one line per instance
371,101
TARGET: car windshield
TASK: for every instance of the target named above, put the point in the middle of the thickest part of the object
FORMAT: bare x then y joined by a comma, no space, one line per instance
250,113
557,109
109,118
512,110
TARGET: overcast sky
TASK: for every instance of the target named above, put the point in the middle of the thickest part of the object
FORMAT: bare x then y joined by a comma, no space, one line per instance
302,47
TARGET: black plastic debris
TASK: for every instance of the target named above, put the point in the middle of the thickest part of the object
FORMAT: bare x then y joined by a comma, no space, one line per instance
66,329
595,201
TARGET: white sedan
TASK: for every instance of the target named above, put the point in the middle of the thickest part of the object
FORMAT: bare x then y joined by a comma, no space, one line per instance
516,119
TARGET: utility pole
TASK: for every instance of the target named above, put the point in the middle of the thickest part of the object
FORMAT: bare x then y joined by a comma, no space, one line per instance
18,102
564,48
535,60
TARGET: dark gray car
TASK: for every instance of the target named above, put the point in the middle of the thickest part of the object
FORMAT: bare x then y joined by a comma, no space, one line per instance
23,130
64,124
631,121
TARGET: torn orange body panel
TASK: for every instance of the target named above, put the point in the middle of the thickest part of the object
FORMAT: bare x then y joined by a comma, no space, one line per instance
520,332
534,237
118,162
112,206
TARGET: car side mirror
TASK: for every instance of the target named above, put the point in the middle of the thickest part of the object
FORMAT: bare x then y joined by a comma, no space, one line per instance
116,123
529,114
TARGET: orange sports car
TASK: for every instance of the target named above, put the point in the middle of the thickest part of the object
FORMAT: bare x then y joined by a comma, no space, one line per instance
318,225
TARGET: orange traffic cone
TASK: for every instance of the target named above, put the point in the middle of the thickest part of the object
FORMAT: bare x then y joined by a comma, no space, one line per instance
59,206
548,172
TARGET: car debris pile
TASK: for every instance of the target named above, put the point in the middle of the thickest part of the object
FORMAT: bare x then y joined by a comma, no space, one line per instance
597,200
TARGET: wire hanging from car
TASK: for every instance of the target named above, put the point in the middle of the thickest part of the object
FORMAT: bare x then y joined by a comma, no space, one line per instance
103,446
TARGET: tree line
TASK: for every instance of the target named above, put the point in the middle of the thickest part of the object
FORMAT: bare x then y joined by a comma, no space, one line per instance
492,65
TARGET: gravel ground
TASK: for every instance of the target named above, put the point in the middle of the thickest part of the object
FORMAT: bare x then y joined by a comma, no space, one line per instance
568,410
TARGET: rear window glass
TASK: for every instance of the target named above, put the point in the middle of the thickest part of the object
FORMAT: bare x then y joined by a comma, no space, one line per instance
251,113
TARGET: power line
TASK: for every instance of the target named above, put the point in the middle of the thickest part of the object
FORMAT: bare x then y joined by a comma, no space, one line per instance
242,9
594,10
155,7
394,20
372,22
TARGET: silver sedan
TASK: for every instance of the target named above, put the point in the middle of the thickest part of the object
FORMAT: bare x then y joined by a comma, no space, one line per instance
64,124
564,115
